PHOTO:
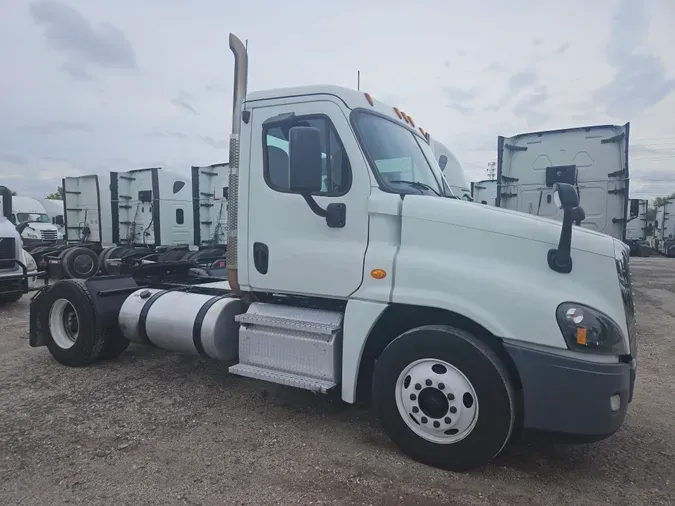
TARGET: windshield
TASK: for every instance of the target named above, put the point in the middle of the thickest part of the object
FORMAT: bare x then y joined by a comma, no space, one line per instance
398,156
33,218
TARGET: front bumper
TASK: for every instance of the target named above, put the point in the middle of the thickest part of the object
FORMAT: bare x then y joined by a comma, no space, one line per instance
570,398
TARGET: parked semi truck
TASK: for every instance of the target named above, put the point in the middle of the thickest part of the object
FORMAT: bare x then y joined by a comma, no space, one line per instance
636,230
350,269
665,228
55,211
484,192
37,226
18,271
594,159
451,168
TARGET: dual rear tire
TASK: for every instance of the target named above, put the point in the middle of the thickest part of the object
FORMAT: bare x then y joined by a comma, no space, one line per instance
72,333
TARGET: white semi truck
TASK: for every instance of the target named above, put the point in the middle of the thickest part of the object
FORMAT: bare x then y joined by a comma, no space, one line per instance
350,270
594,159
451,168
37,225
18,271
636,229
55,211
484,192
665,228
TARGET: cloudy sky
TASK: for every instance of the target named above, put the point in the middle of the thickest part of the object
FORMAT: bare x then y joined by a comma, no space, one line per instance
91,85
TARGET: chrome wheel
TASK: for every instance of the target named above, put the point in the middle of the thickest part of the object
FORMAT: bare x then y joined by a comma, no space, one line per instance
64,324
436,401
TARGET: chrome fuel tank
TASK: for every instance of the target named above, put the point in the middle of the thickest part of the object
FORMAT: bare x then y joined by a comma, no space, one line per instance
190,323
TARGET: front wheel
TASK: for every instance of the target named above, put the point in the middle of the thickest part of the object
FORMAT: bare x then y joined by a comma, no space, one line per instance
444,398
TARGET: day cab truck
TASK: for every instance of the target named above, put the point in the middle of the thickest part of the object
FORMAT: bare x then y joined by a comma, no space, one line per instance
18,271
349,270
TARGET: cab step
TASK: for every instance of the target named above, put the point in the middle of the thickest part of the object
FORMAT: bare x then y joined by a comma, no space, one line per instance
291,346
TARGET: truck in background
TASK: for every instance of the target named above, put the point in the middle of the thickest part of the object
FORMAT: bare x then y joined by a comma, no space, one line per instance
209,204
485,191
350,268
18,270
55,211
594,159
451,168
664,240
36,225
636,230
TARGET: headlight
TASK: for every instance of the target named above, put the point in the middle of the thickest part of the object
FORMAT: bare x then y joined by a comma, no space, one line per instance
30,235
586,329
29,262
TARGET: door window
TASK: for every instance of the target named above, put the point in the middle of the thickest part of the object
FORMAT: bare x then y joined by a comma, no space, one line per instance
337,174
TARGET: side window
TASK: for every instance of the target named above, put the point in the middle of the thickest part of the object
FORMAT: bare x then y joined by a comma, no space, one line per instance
337,173
178,186
180,217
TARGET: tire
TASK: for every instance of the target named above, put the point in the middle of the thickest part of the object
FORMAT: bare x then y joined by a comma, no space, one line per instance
474,396
80,263
113,252
68,318
115,344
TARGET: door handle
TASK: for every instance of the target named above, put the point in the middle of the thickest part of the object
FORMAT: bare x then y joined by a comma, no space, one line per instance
261,257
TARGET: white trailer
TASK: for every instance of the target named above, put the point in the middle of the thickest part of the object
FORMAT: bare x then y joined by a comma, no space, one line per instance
636,228
665,228
351,269
594,159
484,192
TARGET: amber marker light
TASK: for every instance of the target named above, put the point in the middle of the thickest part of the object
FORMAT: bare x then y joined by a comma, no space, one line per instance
369,98
378,273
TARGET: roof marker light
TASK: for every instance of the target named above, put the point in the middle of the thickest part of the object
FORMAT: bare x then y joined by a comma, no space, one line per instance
404,116
422,131
398,113
410,120
369,98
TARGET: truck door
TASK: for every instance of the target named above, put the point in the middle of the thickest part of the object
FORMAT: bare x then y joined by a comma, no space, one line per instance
291,249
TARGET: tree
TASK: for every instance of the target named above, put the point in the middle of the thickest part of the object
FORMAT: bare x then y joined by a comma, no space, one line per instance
659,201
57,195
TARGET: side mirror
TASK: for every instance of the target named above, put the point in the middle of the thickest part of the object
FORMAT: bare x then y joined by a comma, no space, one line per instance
58,220
304,153
566,198
634,208
442,162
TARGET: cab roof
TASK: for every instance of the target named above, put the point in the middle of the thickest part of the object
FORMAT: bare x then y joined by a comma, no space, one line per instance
353,99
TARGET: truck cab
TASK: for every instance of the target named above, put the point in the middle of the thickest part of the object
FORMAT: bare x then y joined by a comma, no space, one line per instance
451,168
18,271
38,227
351,267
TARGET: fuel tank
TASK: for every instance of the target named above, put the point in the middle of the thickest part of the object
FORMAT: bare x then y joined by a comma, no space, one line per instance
190,323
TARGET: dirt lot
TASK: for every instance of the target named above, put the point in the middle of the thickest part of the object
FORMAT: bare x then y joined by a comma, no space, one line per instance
158,428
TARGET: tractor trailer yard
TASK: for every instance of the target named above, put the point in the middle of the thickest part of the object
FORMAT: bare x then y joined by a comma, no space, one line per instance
155,427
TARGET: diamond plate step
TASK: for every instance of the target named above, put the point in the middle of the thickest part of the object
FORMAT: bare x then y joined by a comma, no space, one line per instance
282,378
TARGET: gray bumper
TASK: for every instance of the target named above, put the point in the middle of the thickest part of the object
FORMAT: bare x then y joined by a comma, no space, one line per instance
571,397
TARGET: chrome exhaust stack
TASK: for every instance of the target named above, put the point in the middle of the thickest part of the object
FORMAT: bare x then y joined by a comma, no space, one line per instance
239,95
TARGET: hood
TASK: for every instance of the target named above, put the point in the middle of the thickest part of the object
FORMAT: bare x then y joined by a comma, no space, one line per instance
502,221
42,226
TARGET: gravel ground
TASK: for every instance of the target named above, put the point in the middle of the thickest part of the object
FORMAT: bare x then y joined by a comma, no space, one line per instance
159,428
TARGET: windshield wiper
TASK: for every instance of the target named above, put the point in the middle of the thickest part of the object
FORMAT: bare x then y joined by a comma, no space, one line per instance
416,184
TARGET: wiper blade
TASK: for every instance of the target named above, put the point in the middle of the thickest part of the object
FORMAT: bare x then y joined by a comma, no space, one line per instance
416,184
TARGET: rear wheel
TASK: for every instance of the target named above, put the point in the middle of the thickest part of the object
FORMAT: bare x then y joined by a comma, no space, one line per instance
69,317
444,398
80,263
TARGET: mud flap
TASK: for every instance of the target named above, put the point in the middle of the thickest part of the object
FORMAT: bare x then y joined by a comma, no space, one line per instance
36,335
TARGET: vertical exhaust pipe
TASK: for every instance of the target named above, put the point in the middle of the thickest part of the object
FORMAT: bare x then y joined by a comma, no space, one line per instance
239,95
6,201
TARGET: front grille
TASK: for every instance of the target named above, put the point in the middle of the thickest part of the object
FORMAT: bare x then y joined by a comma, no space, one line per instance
7,252
49,235
622,256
